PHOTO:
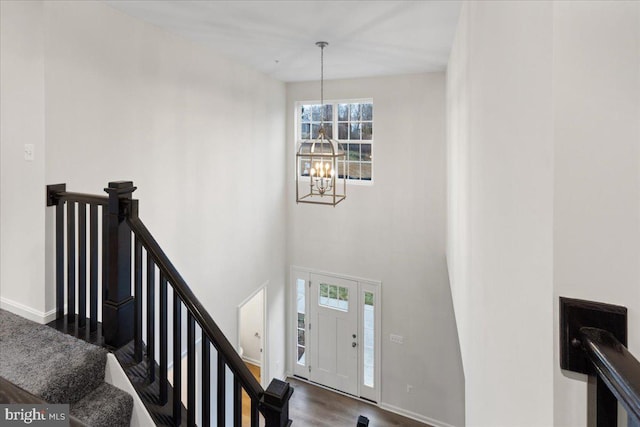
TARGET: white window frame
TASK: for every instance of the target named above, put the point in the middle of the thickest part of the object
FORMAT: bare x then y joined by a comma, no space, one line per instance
334,132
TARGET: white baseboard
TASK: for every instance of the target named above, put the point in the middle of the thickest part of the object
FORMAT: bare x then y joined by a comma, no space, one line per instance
413,415
252,361
27,312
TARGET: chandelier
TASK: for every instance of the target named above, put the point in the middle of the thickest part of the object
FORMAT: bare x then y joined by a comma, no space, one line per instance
320,160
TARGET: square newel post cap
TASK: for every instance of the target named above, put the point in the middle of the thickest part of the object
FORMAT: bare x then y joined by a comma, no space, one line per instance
277,393
120,188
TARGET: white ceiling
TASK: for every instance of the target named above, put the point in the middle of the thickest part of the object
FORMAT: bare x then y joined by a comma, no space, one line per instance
366,38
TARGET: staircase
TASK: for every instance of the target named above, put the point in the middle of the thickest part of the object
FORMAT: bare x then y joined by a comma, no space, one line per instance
59,368
149,317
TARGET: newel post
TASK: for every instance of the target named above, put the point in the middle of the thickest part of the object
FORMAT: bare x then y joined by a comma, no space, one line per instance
118,303
275,404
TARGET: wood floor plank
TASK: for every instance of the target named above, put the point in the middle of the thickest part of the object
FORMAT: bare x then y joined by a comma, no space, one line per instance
313,406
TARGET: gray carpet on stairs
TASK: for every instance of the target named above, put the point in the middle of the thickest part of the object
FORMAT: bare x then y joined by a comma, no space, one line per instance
61,369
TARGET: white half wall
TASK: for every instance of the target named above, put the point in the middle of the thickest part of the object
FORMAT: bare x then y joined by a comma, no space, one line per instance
393,231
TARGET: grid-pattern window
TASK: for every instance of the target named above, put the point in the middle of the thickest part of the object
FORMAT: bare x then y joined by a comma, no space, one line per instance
351,123
333,296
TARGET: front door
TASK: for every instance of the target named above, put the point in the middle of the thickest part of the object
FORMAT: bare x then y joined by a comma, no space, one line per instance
333,329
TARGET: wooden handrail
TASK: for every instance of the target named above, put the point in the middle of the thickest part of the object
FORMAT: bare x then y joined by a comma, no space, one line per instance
618,368
202,317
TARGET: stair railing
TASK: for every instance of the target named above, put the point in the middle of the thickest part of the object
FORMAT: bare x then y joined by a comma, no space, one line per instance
123,306
593,339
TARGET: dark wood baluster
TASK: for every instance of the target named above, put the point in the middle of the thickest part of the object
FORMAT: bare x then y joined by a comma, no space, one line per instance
137,308
206,381
151,330
71,262
255,415
237,402
105,245
82,264
93,267
60,259
177,358
164,384
221,390
191,370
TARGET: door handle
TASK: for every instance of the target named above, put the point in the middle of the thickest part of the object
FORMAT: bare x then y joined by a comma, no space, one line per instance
353,344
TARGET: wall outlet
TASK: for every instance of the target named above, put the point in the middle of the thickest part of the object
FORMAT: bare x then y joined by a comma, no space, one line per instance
398,339
409,388
29,152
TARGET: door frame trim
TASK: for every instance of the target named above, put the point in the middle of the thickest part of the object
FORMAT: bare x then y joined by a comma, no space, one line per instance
264,340
291,341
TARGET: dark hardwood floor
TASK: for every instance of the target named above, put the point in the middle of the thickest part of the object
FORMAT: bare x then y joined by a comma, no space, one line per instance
316,406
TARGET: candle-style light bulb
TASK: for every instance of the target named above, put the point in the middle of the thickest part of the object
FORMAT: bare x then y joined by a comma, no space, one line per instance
312,171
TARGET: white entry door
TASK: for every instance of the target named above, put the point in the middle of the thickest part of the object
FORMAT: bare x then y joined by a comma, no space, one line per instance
333,333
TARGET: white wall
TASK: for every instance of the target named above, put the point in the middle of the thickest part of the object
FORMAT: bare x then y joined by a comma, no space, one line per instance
500,210
22,183
596,85
393,231
251,328
201,137
544,108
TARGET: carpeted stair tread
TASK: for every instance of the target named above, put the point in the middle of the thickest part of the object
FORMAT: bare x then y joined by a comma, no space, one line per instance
61,369
54,366
106,406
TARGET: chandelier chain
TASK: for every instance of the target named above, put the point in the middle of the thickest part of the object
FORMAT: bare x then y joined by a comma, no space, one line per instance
322,86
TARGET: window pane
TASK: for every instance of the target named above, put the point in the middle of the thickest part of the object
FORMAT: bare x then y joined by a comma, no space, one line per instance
300,320
369,340
341,169
353,152
367,130
328,130
328,113
368,298
343,130
354,170
324,290
333,291
301,296
365,150
354,112
300,355
300,336
343,112
305,113
367,111
315,113
305,165
365,171
305,132
314,130
354,132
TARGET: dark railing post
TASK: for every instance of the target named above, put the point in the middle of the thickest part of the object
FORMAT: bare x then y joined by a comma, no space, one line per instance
275,404
53,199
118,305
